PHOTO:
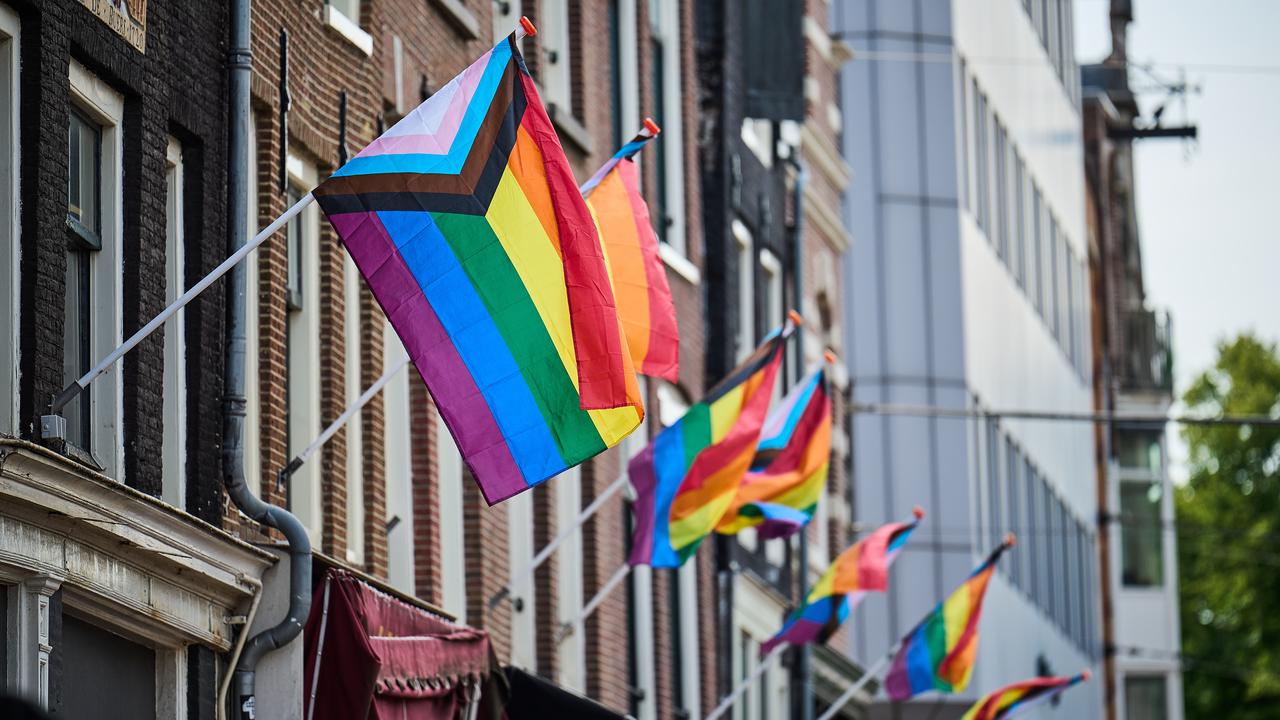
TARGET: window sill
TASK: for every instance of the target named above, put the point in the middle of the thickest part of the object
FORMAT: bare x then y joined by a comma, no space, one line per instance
461,18
348,29
676,260
570,128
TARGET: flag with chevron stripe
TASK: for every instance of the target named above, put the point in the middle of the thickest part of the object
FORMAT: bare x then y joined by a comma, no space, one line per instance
467,223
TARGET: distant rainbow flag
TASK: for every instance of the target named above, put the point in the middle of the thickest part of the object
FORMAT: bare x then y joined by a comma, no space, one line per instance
938,653
780,493
631,249
465,220
688,475
1015,698
859,570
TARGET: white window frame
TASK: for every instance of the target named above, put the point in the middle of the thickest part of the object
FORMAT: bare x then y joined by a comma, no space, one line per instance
174,443
104,105
755,619
746,337
667,29
572,652
672,406
10,247
453,562
252,382
556,75
641,575
398,446
345,21
505,23
355,426
524,635
303,359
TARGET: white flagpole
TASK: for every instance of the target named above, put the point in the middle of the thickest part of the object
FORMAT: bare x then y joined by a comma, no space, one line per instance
761,667
867,676
76,387
545,552
337,424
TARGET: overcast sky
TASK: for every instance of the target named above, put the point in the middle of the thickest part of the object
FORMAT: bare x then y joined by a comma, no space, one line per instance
1207,211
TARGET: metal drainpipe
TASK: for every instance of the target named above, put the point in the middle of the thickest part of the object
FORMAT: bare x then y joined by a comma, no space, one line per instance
805,666
239,68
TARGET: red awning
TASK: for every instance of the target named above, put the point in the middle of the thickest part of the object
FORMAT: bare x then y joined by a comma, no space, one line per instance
370,655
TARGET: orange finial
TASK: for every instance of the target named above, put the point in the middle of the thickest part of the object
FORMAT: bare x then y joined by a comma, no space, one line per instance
795,317
527,24
918,512
829,356
652,127
1010,539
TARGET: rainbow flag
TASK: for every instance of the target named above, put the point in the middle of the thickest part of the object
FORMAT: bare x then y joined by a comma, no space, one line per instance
687,476
938,653
780,492
859,570
631,248
1015,698
465,220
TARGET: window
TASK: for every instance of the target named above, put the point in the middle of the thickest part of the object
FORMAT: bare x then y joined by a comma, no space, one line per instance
994,523
625,76
520,550
506,14
1053,291
1139,453
1013,503
1069,306
1062,275
1035,236
399,466
1142,562
355,426
174,445
981,154
123,673
1029,530
92,322
966,166
1018,223
1050,528
453,568
1145,697
9,246
343,17
667,207
1040,550
746,341
572,657
1001,229
772,309
302,338
556,72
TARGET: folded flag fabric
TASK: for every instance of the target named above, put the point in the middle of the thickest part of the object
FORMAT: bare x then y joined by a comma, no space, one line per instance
938,653
466,222
631,250
1012,699
859,570
780,492
687,476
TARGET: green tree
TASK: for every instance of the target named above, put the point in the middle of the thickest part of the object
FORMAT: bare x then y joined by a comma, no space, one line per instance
1229,540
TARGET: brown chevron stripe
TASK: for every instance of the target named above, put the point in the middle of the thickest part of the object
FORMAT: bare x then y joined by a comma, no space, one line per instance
462,183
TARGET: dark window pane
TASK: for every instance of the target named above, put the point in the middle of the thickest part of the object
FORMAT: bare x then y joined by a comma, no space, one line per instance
1145,697
108,677
1141,547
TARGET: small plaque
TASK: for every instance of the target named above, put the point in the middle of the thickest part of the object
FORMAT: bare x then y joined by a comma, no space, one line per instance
128,18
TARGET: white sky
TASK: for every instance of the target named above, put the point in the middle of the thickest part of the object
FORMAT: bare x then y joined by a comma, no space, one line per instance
1207,214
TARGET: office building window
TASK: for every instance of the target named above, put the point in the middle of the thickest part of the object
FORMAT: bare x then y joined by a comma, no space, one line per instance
771,309
667,206
571,653
966,166
1030,530
1013,503
453,567
1018,223
1052,316
994,466
982,156
92,311
506,14
1142,562
1032,259
10,260
1146,697
174,445
1001,229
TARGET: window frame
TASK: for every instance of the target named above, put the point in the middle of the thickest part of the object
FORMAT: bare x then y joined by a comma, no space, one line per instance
174,443
101,103
398,466
10,223
302,358
745,339
353,367
556,62
669,210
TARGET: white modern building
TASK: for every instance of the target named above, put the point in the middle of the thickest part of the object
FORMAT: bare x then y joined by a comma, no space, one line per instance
966,289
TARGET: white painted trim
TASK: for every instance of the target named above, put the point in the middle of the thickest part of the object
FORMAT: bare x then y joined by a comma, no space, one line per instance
453,561
10,227
303,349
355,426
690,644
349,29
572,665
746,336
755,614
553,35
629,69
672,147
171,683
398,444
174,444
680,264
642,601
106,394
520,554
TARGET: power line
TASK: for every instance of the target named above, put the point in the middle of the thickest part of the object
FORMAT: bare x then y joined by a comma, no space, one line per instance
1124,419
1213,68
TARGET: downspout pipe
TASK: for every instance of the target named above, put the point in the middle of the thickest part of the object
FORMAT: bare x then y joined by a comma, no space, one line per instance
239,67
